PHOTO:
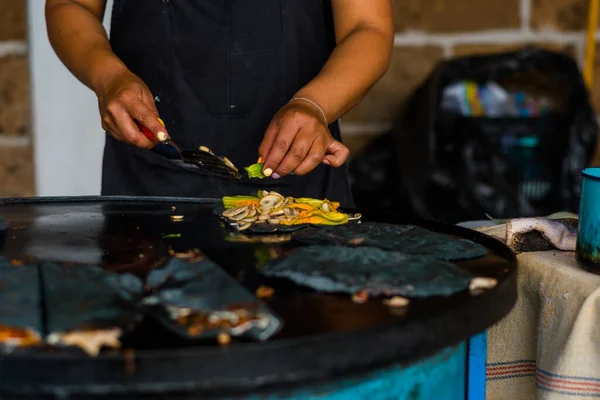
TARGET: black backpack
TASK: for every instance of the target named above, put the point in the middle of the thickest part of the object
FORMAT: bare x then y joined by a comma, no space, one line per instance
439,165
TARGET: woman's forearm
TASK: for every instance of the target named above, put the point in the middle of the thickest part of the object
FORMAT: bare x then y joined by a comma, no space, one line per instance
356,64
76,33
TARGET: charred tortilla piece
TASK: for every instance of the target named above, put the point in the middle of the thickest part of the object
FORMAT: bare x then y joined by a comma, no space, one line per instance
21,322
83,309
378,272
408,239
200,300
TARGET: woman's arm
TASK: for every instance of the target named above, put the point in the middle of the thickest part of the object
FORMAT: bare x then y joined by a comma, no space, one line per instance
76,33
297,139
365,37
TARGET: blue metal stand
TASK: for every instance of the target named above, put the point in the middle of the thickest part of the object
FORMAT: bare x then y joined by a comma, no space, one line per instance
477,353
441,377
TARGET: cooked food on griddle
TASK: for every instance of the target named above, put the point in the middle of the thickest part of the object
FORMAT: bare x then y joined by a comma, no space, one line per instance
271,208
191,255
264,239
408,239
200,300
224,338
264,292
480,284
12,337
235,321
370,271
20,313
89,340
396,302
360,297
83,308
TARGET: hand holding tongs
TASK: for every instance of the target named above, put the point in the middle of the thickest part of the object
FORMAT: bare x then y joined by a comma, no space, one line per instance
203,158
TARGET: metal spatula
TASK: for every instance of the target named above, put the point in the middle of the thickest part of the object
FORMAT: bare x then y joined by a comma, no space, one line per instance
205,160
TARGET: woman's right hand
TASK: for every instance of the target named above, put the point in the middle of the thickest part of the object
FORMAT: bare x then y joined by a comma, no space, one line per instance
123,100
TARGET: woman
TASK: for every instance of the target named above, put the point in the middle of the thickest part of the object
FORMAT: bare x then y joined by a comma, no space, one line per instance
245,78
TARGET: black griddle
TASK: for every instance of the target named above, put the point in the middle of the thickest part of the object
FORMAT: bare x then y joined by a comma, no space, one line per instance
325,336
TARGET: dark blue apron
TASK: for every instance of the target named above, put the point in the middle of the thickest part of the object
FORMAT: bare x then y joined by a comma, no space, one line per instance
219,71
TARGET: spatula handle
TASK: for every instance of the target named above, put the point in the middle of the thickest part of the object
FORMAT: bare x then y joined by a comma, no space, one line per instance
147,132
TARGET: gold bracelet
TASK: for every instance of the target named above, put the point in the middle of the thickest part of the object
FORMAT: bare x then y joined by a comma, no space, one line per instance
313,103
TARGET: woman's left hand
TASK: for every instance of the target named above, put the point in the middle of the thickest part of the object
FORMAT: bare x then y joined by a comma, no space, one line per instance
298,140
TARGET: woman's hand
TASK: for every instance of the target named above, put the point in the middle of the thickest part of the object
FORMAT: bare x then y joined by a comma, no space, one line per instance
298,140
123,100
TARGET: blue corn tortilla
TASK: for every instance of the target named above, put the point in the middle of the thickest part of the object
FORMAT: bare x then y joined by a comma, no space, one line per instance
81,296
204,288
408,239
20,296
380,273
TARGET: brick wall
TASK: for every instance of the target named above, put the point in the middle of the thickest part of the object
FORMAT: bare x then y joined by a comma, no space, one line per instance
16,155
427,32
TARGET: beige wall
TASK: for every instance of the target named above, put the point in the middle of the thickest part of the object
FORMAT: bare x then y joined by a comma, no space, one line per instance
427,32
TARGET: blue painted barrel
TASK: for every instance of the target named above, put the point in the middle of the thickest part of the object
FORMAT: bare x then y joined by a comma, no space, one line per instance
455,373
440,377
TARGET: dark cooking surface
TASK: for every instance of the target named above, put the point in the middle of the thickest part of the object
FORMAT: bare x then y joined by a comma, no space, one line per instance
323,334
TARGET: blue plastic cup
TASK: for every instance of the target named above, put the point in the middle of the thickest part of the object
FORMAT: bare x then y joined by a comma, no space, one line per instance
588,236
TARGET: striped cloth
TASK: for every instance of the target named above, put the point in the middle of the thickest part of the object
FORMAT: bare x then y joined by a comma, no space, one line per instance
548,346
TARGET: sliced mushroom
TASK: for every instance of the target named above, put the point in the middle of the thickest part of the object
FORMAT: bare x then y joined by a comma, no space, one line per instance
248,220
252,212
325,207
264,217
277,213
262,193
244,226
274,221
234,211
361,297
269,201
263,210
204,148
354,217
240,216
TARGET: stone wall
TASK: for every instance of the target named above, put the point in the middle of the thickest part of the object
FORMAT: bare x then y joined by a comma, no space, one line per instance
427,32
16,154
